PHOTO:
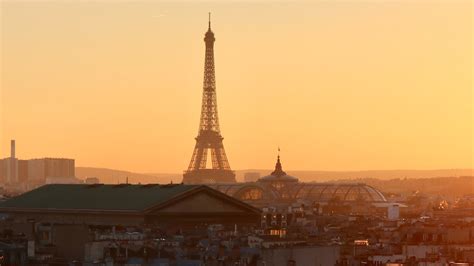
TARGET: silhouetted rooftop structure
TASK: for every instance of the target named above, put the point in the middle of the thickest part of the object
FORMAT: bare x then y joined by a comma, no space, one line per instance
123,197
128,204
280,187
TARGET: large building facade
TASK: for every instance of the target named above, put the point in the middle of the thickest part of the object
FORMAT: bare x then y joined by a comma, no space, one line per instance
21,175
41,169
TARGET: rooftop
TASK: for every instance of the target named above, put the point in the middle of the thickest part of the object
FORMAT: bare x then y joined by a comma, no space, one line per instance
97,197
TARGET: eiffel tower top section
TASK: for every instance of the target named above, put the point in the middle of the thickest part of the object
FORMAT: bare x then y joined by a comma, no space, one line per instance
209,115
209,38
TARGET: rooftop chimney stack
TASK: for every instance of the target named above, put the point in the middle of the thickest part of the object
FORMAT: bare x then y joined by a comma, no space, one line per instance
12,167
12,152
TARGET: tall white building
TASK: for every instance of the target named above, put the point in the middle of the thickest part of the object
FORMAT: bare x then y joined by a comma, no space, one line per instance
11,165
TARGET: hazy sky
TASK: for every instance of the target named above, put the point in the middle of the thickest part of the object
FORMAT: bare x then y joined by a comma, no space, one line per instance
338,85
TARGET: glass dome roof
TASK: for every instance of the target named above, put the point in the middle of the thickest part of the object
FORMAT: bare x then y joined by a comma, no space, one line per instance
314,192
341,191
280,187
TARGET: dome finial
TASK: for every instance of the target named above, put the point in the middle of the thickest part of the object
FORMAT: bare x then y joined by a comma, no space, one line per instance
278,169
278,156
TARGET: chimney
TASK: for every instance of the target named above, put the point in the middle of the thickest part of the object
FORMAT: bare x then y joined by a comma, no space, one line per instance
12,168
12,152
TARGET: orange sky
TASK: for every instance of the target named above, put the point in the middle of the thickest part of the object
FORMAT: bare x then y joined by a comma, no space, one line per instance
338,85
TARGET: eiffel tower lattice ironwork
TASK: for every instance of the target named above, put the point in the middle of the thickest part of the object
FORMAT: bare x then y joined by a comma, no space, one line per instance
209,136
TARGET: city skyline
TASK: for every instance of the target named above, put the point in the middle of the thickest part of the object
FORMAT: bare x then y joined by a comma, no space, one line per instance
396,95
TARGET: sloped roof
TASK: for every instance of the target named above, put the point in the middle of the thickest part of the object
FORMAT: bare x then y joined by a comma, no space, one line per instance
98,197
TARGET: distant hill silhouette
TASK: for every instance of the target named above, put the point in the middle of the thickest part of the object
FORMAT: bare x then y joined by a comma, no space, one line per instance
444,182
441,186
323,176
114,176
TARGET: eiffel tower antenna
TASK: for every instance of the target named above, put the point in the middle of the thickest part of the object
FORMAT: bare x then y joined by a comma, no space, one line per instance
209,135
209,20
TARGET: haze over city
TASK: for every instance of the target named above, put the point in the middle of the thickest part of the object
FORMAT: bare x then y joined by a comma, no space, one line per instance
242,133
338,86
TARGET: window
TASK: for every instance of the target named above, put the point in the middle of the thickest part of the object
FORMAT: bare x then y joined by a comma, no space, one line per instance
251,194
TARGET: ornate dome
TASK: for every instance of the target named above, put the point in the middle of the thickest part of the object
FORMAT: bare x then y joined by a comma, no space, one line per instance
278,175
279,187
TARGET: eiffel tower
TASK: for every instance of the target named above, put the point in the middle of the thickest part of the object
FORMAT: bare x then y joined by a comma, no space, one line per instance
209,136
